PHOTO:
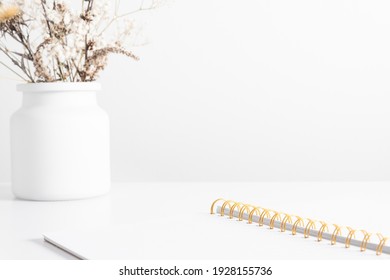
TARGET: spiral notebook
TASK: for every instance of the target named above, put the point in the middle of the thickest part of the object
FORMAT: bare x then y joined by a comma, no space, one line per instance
320,230
239,231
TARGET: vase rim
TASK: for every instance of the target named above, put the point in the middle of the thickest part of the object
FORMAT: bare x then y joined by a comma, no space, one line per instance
58,86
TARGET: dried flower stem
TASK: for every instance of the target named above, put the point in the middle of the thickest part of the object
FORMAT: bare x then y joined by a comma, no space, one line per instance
72,46
18,64
41,70
116,17
9,68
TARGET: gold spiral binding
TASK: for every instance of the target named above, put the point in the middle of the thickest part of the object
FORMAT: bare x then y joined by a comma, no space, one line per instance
227,202
285,219
274,217
365,240
324,226
310,225
351,234
299,222
212,205
215,202
247,208
336,232
262,216
381,244
255,209
237,204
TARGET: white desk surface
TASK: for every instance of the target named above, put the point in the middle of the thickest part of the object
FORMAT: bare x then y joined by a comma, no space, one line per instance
360,205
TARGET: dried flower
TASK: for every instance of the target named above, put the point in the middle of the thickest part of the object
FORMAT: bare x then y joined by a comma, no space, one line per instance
8,12
67,45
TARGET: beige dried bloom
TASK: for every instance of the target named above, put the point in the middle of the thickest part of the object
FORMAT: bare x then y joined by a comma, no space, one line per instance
42,71
8,12
97,62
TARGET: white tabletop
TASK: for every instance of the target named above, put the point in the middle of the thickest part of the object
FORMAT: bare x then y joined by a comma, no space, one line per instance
360,205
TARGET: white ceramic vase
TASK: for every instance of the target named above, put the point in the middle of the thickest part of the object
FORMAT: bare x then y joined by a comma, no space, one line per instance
60,143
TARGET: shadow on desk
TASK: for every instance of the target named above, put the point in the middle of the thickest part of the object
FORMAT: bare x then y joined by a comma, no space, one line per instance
5,192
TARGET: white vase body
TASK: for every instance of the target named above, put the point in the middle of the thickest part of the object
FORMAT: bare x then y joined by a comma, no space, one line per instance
60,143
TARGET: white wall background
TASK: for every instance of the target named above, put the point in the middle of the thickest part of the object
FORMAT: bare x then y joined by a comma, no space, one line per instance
231,90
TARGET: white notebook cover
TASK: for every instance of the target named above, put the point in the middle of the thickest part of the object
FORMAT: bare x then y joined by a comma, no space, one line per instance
201,236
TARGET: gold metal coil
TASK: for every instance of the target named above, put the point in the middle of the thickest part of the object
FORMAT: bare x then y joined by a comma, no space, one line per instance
286,219
276,216
237,204
310,225
227,202
255,209
351,234
324,226
299,222
337,231
262,216
215,202
382,243
247,208
366,239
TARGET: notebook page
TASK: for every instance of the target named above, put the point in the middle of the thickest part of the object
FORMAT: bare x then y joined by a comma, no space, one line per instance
200,236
